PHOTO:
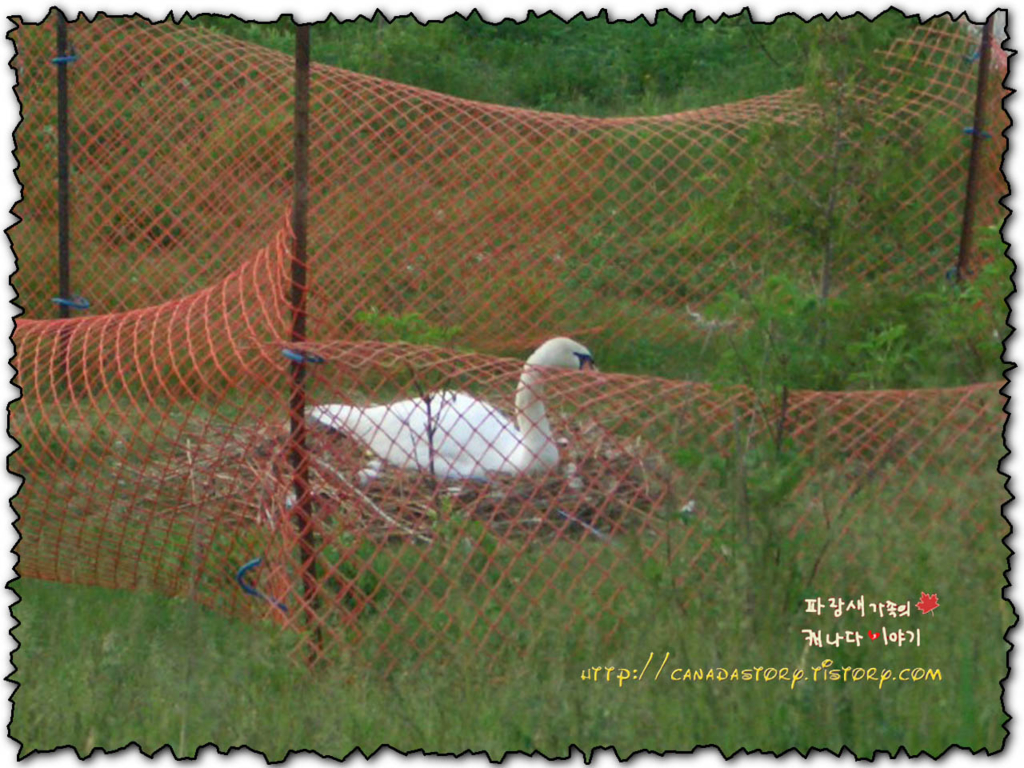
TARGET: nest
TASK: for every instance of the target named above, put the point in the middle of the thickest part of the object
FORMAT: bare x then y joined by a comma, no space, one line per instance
603,484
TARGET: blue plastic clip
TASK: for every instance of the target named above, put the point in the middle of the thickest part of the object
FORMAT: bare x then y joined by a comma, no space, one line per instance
984,134
71,58
251,590
973,57
302,357
76,302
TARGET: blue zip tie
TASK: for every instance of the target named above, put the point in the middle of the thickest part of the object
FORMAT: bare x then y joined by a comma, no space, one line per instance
251,590
70,58
76,302
302,357
973,57
984,134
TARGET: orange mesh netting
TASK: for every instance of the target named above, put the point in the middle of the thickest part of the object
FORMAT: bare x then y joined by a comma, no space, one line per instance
155,428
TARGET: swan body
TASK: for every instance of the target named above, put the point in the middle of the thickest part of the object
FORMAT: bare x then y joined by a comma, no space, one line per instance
457,436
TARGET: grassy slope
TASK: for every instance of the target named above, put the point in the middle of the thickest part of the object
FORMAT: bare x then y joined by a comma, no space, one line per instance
596,68
166,672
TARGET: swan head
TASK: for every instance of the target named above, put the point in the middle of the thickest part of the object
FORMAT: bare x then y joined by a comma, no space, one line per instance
561,352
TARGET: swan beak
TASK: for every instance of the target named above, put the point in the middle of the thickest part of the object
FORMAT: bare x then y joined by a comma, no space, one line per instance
586,361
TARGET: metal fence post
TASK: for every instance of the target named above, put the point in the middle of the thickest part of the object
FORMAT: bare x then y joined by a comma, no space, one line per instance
63,163
302,512
967,228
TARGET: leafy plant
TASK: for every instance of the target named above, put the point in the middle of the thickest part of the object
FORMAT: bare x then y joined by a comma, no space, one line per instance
881,352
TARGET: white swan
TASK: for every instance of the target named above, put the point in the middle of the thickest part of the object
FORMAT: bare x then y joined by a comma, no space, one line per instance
469,438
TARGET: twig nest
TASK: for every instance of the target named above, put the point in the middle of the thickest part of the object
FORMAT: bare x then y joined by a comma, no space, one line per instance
604,484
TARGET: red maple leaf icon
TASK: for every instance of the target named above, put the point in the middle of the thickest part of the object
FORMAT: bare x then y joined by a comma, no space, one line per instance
927,603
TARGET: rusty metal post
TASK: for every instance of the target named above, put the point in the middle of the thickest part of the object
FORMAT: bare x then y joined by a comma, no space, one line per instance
63,169
977,136
63,369
302,511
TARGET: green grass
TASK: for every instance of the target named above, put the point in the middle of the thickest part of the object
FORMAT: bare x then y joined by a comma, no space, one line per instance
101,668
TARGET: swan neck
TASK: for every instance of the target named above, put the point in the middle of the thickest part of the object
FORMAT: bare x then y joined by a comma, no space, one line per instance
530,412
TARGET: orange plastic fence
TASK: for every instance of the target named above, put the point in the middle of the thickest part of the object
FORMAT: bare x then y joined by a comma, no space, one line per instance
181,147
154,429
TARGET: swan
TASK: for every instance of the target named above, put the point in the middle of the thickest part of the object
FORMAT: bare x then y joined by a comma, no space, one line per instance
471,439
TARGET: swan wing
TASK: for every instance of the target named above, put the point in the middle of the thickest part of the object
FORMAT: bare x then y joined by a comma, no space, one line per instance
384,429
471,438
